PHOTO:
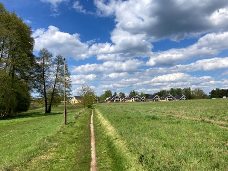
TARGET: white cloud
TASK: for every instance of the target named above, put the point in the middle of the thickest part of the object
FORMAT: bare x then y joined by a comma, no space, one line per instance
205,65
219,16
82,79
117,75
78,7
159,19
110,66
59,42
170,78
208,45
55,3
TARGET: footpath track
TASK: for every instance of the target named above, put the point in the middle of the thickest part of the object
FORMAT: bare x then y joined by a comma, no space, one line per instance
93,146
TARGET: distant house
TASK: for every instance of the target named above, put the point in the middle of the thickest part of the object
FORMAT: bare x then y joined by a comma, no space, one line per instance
127,99
114,98
76,99
182,97
154,98
137,98
143,99
168,97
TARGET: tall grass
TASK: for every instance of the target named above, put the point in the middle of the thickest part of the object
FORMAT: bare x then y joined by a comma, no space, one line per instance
160,141
35,141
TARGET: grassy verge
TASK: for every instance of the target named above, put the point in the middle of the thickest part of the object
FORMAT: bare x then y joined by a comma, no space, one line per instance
162,142
108,157
40,142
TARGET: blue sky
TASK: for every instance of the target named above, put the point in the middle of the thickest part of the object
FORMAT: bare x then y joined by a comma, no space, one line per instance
145,45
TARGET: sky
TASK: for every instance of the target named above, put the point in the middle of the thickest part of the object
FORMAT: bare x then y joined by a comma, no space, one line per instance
124,45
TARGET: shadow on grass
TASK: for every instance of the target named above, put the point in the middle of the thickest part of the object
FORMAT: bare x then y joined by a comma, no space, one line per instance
30,115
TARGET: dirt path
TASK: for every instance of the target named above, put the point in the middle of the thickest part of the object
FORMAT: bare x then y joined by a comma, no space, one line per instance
93,149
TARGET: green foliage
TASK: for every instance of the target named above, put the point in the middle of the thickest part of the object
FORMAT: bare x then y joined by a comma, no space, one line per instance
50,79
14,96
219,93
188,92
133,93
88,96
16,63
107,93
121,94
199,94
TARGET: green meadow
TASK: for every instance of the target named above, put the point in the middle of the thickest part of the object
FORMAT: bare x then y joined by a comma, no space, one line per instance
180,135
35,141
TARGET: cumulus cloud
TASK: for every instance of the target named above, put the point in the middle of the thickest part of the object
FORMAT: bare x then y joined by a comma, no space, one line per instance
82,79
159,19
117,75
60,43
170,78
208,45
109,67
205,65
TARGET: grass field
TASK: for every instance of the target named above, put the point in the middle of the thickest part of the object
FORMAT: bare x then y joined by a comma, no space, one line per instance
183,135
34,141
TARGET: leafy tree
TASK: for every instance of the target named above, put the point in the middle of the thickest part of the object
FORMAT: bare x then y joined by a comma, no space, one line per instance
199,94
121,94
107,93
16,63
142,94
162,93
16,46
187,92
218,93
51,78
44,83
88,96
133,93
14,96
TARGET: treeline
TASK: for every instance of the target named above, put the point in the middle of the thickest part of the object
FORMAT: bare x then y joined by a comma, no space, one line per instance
188,92
21,72
219,93
108,93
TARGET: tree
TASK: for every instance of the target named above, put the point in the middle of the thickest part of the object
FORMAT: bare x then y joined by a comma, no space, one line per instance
16,63
122,95
107,93
199,94
133,93
142,94
44,63
218,93
58,85
51,78
15,97
88,96
163,93
187,92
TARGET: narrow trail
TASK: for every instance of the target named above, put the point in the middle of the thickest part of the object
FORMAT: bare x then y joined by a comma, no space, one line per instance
93,147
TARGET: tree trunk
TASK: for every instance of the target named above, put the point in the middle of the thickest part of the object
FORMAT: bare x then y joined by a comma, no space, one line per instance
53,91
44,86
